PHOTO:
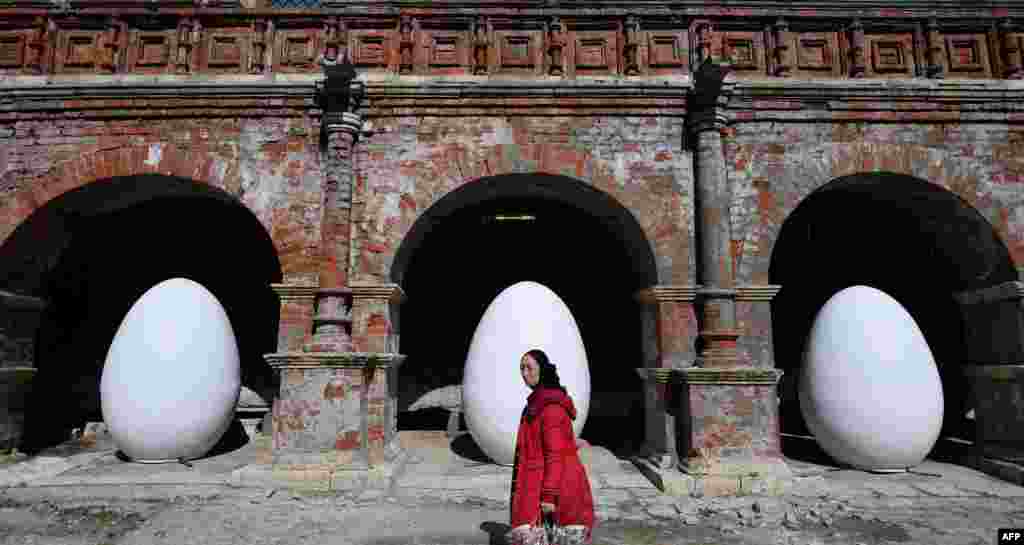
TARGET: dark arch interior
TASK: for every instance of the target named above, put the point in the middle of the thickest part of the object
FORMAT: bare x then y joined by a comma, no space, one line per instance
465,261
911,239
110,242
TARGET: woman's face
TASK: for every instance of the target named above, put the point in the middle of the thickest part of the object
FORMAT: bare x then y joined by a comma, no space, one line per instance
530,370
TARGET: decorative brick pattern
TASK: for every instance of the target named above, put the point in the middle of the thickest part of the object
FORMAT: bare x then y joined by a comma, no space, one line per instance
296,49
152,52
746,51
227,50
967,56
890,55
594,52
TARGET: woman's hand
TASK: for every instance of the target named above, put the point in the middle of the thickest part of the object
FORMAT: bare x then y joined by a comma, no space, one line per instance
547,507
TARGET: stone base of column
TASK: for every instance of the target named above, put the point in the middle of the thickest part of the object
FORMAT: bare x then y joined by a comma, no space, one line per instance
326,471
15,386
734,446
333,422
999,443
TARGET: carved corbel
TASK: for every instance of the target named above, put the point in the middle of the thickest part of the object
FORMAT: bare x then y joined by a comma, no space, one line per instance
631,47
782,52
1011,54
113,43
39,44
855,34
934,51
702,32
406,27
335,33
262,30
189,33
481,43
556,34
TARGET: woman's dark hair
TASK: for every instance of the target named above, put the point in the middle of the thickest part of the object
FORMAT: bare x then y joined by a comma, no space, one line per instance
548,373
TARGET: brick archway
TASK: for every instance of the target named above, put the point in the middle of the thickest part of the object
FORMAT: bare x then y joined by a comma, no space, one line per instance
654,202
295,237
761,212
156,158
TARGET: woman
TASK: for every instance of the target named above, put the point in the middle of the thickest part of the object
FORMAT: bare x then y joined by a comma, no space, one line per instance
548,476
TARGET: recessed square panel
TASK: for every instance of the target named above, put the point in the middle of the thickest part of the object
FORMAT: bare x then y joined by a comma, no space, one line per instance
888,56
295,49
666,50
154,50
298,49
80,51
741,52
370,50
967,53
517,50
814,53
592,53
226,51
12,50
445,50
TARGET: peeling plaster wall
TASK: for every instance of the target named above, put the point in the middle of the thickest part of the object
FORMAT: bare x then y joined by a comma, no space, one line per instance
411,163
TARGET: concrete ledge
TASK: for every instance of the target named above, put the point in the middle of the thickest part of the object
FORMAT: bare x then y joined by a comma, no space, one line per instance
764,480
1006,470
322,477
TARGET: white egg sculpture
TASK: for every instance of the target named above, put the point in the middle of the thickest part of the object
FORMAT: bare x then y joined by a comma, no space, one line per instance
522,317
171,379
870,391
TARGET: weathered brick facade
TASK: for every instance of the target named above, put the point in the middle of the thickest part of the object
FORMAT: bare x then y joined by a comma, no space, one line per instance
694,131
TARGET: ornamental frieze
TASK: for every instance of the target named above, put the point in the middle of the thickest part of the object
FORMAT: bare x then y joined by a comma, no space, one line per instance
102,38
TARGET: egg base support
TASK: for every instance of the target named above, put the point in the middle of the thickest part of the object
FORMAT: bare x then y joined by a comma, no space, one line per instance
183,461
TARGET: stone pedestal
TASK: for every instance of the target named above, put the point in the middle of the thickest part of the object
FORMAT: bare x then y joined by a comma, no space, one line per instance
994,350
733,442
671,328
19,320
15,387
333,423
998,391
726,411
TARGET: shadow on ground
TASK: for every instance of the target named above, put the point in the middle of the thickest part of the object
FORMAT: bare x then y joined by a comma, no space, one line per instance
806,449
466,447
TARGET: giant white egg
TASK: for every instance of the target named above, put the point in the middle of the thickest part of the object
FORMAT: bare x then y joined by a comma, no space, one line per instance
522,317
171,379
870,391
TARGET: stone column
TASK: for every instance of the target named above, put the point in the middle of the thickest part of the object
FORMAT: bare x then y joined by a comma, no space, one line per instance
334,422
19,320
732,439
994,349
341,129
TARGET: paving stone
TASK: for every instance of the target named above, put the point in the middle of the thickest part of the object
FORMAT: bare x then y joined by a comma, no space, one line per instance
893,489
662,511
627,480
939,488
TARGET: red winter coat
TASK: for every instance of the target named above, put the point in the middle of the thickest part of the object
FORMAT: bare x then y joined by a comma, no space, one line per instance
547,467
